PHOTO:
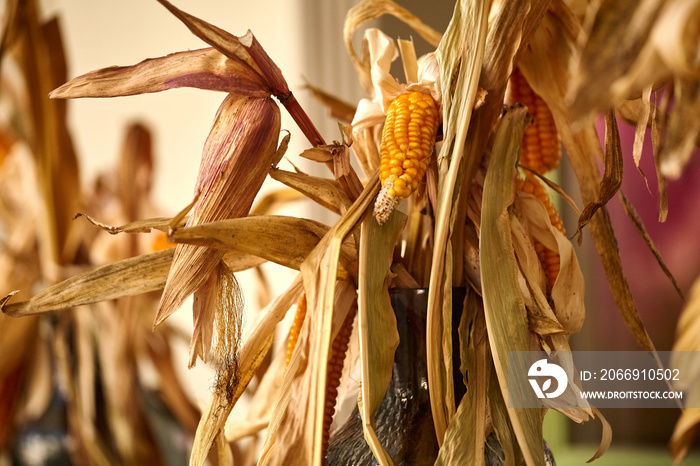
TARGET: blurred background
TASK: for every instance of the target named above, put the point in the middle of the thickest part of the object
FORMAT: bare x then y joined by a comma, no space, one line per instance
304,37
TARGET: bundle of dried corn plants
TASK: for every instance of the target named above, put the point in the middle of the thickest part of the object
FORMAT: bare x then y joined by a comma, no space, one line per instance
457,141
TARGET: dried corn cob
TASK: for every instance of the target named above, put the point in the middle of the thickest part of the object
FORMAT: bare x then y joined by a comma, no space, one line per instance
540,149
295,330
339,348
407,144
548,258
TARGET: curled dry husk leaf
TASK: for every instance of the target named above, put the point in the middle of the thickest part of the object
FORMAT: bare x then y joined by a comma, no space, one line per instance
128,277
284,240
323,191
203,69
568,290
368,10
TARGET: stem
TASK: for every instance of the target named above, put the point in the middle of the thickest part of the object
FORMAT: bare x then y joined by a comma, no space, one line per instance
280,89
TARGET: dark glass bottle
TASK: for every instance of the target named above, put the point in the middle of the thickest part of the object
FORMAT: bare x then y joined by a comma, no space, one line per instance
404,422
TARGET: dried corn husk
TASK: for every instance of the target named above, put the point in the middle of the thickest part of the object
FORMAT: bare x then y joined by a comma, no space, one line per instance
379,337
465,437
236,157
506,319
685,348
458,74
296,428
545,65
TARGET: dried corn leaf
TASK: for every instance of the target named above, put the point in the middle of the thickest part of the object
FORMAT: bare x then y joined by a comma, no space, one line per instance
579,147
506,319
460,55
612,175
605,437
325,192
660,178
379,337
280,239
684,433
541,318
247,49
639,225
409,60
137,226
465,437
258,415
640,131
42,60
10,25
124,278
250,357
501,423
224,42
20,345
172,392
203,69
39,381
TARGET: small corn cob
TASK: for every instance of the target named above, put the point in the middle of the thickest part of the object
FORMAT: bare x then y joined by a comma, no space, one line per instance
295,330
540,149
407,143
336,360
548,258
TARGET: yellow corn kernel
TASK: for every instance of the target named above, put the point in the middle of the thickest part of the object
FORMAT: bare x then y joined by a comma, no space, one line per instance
548,259
336,360
407,143
540,149
550,262
532,185
295,330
